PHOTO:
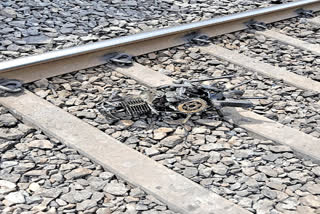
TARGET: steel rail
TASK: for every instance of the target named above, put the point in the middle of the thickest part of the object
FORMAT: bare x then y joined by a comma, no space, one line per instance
89,55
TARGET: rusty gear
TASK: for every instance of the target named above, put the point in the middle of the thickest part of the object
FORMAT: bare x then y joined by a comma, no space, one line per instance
192,106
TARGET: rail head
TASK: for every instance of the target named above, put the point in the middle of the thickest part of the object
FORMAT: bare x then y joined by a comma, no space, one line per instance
106,45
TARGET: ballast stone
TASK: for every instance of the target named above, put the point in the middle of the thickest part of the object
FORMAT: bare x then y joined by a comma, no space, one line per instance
41,144
15,198
7,120
114,188
38,40
172,141
78,173
8,12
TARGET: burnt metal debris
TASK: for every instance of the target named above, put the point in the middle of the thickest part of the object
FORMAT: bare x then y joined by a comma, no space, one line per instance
9,86
180,100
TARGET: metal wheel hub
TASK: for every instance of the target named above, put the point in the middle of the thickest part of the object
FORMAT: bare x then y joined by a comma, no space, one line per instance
192,106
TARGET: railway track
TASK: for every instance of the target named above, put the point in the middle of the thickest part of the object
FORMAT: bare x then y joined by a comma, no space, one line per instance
189,175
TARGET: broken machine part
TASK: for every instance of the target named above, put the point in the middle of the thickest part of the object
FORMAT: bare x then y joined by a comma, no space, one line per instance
182,99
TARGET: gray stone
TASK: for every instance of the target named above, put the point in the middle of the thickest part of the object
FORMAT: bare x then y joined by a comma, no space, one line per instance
11,134
212,147
136,192
87,114
141,207
311,201
86,205
280,149
263,206
249,171
243,193
260,38
276,185
198,158
8,12
97,183
312,188
23,167
245,202
106,175
200,130
172,141
6,164
25,128
160,133
50,193
270,157
297,175
243,153
43,83
97,196
268,171
212,123
15,198
103,211
7,120
220,169
82,195
152,151
61,202
305,210
118,189
41,144
34,187
269,193
38,40
316,170
6,146
140,124
4,185
35,173
12,177
69,197
211,139
190,172
251,182
78,173
67,166
214,157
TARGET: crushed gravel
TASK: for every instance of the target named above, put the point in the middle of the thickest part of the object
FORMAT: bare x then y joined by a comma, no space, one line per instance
272,52
32,27
39,174
288,105
256,174
299,28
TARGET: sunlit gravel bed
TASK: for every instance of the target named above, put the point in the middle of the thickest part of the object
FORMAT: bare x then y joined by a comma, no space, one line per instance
288,105
31,27
39,174
256,174
272,52
299,28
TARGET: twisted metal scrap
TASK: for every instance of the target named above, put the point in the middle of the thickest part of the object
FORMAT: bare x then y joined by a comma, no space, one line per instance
183,98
